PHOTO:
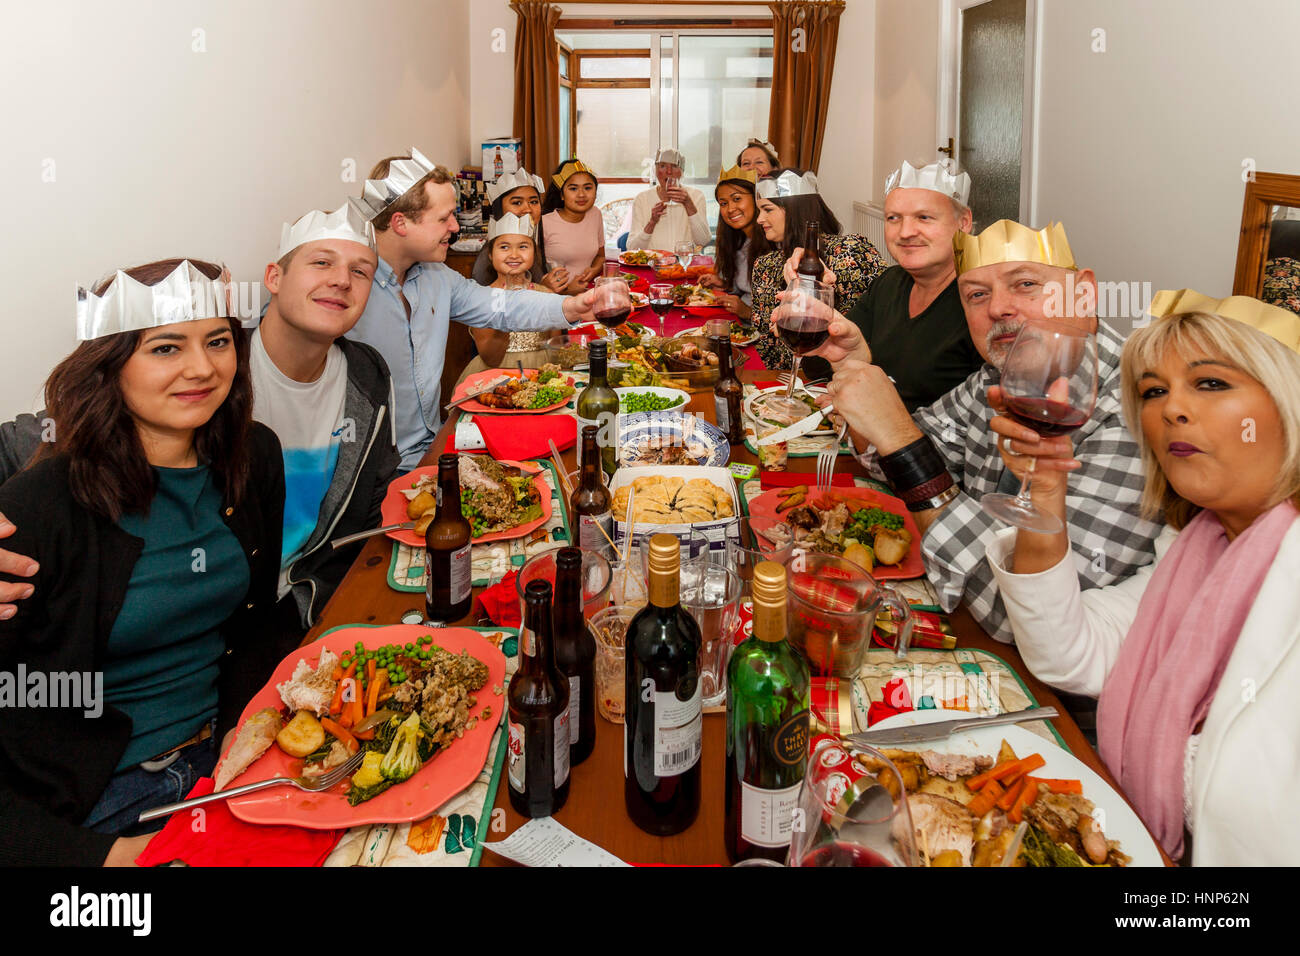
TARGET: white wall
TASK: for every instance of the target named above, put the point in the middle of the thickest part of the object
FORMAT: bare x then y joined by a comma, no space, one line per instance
847,165
906,83
159,150
491,72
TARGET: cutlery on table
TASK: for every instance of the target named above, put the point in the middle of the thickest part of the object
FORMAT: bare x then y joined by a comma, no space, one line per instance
499,380
349,538
802,427
940,730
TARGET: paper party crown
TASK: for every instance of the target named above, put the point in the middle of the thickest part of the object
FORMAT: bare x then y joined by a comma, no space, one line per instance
670,155
936,177
126,305
403,174
347,222
511,225
510,181
787,184
1272,320
568,169
1009,241
735,172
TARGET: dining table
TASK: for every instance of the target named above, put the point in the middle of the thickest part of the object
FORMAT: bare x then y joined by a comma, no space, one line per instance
595,807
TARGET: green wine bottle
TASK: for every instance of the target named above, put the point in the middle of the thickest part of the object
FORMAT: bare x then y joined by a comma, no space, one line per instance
598,405
767,728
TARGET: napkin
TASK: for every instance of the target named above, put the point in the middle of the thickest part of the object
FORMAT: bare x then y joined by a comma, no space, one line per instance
789,479
501,602
519,437
224,840
897,700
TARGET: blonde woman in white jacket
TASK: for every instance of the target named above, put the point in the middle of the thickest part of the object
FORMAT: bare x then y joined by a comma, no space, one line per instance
1196,657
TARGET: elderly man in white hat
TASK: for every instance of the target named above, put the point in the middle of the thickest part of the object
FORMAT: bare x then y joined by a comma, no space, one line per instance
911,316
668,214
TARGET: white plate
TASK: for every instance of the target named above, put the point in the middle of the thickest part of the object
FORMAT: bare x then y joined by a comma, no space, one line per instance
738,343
813,390
1119,822
672,425
654,390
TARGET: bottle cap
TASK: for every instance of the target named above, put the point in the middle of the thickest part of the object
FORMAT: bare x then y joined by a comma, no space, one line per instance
665,554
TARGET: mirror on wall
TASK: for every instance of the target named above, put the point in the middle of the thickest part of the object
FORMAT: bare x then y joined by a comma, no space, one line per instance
1268,252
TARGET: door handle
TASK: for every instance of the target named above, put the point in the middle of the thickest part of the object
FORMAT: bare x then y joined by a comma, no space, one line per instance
947,149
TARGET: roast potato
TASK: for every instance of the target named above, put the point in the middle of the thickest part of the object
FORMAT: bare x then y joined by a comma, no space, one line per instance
420,504
301,736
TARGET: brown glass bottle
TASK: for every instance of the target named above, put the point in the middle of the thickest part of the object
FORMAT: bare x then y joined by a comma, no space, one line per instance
728,393
538,717
663,720
575,653
448,594
591,502
811,263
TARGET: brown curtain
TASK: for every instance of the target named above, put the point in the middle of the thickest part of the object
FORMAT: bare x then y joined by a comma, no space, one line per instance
537,84
803,58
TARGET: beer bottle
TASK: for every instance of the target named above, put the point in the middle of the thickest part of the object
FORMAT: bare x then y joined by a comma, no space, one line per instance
538,715
575,654
811,263
447,550
728,393
591,503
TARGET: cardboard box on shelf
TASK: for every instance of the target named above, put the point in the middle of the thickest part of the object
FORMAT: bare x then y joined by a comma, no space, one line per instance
501,156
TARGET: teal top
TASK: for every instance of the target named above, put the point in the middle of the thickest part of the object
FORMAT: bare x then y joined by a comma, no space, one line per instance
165,647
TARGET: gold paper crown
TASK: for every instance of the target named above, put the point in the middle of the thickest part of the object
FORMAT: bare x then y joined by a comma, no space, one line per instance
1272,320
567,170
1009,241
735,172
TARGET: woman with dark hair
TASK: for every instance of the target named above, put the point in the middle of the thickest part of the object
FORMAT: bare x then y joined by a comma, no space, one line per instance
787,202
739,241
155,517
521,194
575,229
758,155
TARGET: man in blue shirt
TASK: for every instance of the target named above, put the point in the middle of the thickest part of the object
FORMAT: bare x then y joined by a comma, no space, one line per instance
412,206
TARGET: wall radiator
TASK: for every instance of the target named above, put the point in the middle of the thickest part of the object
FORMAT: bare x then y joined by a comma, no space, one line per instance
869,221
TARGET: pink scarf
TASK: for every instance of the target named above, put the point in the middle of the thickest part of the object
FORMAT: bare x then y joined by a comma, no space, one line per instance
1169,667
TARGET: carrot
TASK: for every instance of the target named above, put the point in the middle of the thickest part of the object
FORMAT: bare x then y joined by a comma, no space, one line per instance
980,780
1028,794
986,799
1008,799
1014,771
1062,786
376,689
364,734
370,683
357,708
341,733
340,677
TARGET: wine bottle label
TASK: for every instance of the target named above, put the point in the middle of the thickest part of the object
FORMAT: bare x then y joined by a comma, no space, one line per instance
679,726
721,412
766,815
561,748
516,756
460,575
575,705
589,526
790,742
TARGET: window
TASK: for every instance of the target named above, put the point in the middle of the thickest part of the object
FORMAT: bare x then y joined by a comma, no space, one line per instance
624,93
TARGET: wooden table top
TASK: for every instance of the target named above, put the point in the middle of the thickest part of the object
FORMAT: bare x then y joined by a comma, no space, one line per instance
594,809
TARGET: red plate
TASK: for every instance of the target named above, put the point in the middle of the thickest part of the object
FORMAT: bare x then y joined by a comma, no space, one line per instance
446,774
479,379
764,506
393,509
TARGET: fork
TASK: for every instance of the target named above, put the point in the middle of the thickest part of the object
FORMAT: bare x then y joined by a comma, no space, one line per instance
310,784
826,460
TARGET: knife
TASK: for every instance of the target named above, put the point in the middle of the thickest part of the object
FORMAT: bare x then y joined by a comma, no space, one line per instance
802,427
940,730
499,380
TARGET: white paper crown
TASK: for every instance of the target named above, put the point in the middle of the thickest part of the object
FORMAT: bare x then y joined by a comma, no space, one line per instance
127,305
379,194
787,184
511,225
936,177
670,155
347,222
508,181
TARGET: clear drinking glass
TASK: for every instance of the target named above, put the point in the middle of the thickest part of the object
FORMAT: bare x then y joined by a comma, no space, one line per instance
746,546
711,594
595,578
1049,384
850,816
685,252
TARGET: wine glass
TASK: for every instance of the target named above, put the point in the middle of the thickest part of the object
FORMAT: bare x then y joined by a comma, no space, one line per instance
685,252
850,813
804,325
670,183
612,304
661,300
1049,384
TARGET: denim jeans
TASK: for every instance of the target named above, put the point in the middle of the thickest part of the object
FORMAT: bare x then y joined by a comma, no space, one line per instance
133,791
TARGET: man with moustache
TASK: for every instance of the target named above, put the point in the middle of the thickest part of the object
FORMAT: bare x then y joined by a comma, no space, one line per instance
411,203
943,458
911,316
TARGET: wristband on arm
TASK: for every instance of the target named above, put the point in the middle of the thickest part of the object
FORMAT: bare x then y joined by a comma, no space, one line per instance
919,475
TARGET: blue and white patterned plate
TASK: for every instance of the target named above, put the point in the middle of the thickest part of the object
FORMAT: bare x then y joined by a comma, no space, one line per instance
643,434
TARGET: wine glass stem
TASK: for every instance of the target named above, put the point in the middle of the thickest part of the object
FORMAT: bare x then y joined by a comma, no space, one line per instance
794,375
1022,496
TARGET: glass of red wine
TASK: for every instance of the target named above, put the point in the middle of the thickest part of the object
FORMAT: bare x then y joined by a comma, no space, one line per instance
613,303
661,300
803,325
851,811
1049,384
